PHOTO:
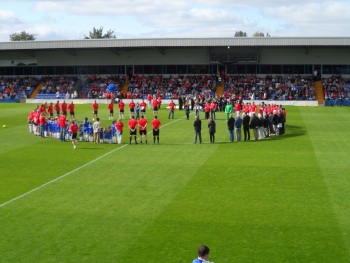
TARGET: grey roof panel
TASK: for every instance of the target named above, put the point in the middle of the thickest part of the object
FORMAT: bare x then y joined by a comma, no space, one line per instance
176,42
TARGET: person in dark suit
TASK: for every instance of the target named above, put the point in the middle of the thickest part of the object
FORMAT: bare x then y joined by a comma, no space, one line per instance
254,125
246,122
197,130
231,127
212,129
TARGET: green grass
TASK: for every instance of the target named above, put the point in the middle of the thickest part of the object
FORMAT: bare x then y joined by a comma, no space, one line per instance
282,199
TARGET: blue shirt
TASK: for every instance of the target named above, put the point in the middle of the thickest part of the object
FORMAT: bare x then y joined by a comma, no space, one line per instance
238,122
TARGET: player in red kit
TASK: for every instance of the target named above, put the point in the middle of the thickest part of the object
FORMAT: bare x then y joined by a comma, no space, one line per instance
64,108
119,130
73,128
155,106
95,110
57,108
121,106
155,125
50,110
36,122
42,108
143,128
132,126
237,108
111,110
71,110
149,100
252,109
132,108
143,108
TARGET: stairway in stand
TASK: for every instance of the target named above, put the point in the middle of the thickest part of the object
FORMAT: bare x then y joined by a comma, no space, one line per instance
125,86
36,90
220,88
319,92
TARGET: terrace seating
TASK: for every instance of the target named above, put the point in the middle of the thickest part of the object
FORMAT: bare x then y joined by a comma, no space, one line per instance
49,96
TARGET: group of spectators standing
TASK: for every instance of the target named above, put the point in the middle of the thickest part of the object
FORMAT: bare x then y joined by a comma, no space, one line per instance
269,121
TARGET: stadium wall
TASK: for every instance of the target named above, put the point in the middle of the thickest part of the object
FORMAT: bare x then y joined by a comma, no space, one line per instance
166,102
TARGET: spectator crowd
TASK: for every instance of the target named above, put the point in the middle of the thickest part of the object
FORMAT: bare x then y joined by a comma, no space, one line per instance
236,87
17,87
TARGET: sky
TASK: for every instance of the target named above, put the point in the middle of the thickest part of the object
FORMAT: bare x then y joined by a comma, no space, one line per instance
74,19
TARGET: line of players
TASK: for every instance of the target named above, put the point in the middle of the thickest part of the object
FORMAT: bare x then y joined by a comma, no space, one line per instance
61,128
135,109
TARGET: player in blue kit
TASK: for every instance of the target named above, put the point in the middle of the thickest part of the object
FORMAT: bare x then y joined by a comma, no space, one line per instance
90,132
86,129
81,132
203,254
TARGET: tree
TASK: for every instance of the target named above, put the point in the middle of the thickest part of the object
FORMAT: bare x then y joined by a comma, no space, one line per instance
258,34
240,34
261,34
98,33
23,36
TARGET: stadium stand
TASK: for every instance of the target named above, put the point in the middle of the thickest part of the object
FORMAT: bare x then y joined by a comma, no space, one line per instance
17,87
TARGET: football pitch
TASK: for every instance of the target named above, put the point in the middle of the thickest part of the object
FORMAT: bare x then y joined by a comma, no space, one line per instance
282,199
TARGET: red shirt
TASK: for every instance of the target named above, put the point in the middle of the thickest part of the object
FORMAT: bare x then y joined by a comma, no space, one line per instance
207,107
71,107
156,124
213,106
95,106
149,97
57,106
62,121
74,128
36,116
50,109
131,105
155,103
246,108
172,106
143,124
238,107
132,124
42,108
64,107
111,106
31,116
119,126
252,108
121,105
42,120
143,105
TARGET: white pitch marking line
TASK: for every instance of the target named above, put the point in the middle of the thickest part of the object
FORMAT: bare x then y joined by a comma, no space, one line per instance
76,169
